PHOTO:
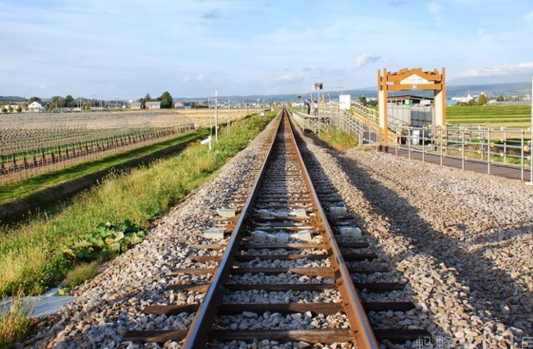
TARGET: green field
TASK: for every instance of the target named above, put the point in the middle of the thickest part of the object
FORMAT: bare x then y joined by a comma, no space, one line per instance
518,116
27,186
38,254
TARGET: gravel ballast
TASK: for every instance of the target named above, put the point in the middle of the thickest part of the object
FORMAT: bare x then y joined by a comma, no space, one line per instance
461,241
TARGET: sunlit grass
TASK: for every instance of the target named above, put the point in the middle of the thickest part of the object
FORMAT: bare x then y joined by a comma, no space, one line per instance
338,139
14,323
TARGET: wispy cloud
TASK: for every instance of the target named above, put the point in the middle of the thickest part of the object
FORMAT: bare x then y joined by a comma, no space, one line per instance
211,15
366,59
529,18
397,2
435,9
290,77
522,68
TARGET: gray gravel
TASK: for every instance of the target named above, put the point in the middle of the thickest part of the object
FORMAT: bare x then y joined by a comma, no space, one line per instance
463,241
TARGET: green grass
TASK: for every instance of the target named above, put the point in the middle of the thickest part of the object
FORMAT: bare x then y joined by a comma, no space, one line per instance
27,186
338,139
37,255
488,114
15,323
80,273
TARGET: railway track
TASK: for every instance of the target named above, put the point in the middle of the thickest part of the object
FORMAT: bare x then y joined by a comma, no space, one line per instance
282,276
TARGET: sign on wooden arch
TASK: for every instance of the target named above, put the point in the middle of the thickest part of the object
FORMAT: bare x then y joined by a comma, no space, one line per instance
410,80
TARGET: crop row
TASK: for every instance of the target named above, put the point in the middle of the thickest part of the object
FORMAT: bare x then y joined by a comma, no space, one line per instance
39,159
20,141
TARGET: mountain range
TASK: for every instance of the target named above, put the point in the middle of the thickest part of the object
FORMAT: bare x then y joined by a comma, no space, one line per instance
491,89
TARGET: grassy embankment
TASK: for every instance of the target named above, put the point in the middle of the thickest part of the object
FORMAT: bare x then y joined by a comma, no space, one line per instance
497,117
38,255
27,186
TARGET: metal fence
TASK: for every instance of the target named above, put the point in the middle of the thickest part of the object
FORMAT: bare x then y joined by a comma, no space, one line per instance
490,147
365,131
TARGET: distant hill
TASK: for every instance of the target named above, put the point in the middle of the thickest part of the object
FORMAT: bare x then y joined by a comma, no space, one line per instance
12,99
504,89
491,89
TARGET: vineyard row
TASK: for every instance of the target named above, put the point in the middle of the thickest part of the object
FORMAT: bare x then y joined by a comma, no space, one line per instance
43,157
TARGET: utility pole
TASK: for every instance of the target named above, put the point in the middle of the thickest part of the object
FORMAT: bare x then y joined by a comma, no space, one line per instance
531,139
229,118
216,115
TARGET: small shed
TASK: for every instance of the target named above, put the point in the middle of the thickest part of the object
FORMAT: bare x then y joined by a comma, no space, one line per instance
136,105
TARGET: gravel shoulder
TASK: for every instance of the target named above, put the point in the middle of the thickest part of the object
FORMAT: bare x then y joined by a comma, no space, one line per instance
462,239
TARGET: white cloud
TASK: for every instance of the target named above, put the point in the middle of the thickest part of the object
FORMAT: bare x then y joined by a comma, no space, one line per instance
435,9
522,68
366,59
529,18
290,77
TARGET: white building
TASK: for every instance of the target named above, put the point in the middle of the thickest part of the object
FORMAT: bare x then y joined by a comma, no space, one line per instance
463,99
153,105
35,107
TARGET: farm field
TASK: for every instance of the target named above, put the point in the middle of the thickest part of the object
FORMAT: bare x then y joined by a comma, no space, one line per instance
41,151
511,116
35,143
204,117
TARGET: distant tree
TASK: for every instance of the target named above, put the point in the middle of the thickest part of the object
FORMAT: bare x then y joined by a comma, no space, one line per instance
471,102
69,101
362,100
482,100
35,99
373,103
11,109
500,98
4,110
57,102
19,109
166,100
147,98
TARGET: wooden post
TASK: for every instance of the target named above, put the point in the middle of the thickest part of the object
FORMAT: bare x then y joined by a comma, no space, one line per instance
440,103
383,141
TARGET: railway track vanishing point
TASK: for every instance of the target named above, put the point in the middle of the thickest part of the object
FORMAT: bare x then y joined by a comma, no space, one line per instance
284,241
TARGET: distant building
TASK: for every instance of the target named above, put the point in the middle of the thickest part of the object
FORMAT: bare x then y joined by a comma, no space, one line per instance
35,107
136,105
153,105
463,99
179,105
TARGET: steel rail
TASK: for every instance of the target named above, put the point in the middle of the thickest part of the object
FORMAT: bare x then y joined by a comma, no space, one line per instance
202,324
363,334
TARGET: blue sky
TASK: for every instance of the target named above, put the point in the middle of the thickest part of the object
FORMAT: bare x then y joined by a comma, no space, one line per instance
125,49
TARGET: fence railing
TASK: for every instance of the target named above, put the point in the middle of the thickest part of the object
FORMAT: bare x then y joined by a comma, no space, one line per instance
365,131
502,146
490,146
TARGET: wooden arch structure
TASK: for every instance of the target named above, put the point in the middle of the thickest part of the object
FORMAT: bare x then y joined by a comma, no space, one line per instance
410,80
